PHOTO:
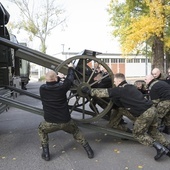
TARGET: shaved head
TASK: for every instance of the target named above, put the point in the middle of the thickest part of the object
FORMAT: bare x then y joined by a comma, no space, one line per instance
148,79
51,76
156,72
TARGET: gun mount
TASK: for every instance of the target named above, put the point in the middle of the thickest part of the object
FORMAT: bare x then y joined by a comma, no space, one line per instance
84,74
82,107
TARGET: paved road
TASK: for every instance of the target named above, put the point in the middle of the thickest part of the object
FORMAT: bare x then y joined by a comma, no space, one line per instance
20,147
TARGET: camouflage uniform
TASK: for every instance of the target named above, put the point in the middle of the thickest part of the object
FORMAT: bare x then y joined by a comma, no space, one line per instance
163,109
69,127
116,118
145,128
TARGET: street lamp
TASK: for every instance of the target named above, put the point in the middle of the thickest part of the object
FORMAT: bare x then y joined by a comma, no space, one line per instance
67,56
63,47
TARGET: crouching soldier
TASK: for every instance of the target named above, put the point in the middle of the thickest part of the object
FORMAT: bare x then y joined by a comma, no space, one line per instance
56,112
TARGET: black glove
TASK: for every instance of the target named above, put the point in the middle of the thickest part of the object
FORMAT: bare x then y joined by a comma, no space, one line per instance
86,90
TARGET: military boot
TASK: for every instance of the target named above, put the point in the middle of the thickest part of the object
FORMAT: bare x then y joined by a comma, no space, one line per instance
168,147
167,130
45,154
161,150
89,150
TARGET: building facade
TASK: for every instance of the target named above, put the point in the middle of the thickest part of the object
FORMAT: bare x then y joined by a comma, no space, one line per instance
131,65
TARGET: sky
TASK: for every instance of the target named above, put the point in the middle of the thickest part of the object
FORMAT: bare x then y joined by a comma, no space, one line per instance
87,28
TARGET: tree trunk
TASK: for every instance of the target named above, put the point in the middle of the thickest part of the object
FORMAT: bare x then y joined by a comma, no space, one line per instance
158,54
167,59
43,50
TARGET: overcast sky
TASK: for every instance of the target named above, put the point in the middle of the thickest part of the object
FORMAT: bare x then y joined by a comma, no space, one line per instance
87,28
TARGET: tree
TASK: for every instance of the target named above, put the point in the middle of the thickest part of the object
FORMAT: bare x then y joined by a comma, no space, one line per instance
139,22
38,18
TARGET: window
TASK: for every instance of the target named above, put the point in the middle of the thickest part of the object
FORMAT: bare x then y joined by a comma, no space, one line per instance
114,60
136,60
129,60
121,60
106,60
142,60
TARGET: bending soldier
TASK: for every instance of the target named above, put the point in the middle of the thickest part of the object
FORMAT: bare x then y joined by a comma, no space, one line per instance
145,126
56,112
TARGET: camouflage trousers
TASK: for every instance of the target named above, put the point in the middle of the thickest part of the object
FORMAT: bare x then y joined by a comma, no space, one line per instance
163,109
69,127
145,128
117,115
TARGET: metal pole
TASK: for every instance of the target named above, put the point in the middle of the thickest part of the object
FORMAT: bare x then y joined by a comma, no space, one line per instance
63,47
146,62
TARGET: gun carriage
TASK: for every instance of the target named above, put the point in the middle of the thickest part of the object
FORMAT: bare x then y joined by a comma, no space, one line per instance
82,109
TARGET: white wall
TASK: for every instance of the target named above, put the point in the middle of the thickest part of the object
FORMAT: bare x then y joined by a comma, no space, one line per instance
137,69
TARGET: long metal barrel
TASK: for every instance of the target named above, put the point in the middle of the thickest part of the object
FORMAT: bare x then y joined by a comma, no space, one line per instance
21,105
34,56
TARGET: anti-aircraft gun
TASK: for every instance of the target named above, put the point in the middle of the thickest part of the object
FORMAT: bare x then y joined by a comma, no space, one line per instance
87,117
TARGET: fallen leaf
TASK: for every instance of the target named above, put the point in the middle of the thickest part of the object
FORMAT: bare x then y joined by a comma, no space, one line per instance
97,140
140,167
116,150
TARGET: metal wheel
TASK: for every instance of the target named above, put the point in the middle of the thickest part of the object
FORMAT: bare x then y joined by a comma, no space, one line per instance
84,108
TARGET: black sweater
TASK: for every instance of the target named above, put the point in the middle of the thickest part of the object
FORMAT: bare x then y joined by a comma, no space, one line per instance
130,98
159,90
54,99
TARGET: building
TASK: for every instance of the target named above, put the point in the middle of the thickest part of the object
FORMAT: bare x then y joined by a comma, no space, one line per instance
131,65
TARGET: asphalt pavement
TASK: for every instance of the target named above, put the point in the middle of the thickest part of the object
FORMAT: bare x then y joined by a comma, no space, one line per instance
21,150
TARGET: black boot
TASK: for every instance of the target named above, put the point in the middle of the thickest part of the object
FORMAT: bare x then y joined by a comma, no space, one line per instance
168,147
89,150
161,150
45,154
167,130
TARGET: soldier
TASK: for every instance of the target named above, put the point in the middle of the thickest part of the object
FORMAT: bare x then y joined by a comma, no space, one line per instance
157,74
56,112
117,123
159,92
145,125
101,83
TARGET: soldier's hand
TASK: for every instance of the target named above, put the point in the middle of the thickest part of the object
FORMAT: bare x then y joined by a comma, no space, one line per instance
70,65
61,75
86,90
